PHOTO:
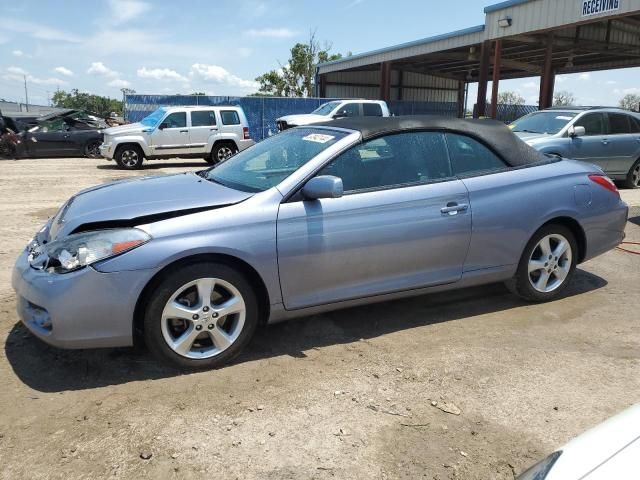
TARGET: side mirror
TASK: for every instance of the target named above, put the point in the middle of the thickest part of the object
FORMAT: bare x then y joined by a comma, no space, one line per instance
576,131
340,115
324,186
162,126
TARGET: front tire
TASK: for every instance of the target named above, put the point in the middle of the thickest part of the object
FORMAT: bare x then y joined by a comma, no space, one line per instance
129,157
547,264
92,149
200,316
633,177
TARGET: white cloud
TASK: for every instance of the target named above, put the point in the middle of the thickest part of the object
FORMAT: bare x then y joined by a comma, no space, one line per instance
63,71
119,83
122,11
219,75
17,53
36,30
272,33
99,68
17,74
611,82
634,90
530,85
584,77
160,74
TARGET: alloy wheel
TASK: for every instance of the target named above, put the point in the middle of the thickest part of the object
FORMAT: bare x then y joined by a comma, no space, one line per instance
635,176
129,158
93,150
224,153
550,263
203,318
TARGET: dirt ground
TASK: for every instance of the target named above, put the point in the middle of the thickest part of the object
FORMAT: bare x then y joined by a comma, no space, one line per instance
344,395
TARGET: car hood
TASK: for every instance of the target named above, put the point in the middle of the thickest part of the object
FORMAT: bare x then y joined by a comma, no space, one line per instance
125,129
139,201
304,119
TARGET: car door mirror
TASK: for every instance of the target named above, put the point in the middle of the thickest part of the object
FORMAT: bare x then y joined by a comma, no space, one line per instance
342,114
163,126
324,186
577,131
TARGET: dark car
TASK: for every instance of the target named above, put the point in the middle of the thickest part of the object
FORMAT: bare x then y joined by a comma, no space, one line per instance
65,133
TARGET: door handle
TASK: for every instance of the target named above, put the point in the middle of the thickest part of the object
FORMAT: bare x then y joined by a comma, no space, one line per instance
453,208
605,142
184,131
216,128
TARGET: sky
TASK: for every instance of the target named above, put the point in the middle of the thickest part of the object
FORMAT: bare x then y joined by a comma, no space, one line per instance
221,46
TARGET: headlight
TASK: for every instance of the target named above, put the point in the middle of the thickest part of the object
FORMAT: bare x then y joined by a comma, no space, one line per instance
82,249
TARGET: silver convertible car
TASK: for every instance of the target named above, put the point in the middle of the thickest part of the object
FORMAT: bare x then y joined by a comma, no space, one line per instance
313,219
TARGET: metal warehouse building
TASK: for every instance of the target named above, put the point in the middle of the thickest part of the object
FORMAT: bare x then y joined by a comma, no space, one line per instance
520,38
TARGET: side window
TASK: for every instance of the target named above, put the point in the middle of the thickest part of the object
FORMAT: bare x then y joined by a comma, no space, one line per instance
349,110
229,117
468,156
371,110
593,123
635,125
619,123
176,120
205,118
400,159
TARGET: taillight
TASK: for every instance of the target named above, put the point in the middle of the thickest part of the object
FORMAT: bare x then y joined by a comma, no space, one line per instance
605,182
245,133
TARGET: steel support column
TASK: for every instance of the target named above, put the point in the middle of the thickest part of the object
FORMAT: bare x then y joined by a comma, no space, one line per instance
548,78
483,79
497,59
400,83
462,87
323,86
385,81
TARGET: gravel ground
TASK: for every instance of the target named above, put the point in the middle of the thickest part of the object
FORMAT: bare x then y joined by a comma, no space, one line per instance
343,395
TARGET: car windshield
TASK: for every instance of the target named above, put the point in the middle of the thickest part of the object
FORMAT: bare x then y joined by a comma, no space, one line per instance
153,119
271,161
543,122
326,108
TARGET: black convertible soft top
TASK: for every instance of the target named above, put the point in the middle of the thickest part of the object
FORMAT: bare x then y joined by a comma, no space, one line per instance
494,134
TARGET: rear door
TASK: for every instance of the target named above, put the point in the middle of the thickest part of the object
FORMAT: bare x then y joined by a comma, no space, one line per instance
403,223
371,110
593,146
172,135
203,125
230,123
624,147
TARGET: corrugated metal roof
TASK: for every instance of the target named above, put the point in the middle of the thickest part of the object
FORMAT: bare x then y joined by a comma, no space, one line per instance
415,43
502,5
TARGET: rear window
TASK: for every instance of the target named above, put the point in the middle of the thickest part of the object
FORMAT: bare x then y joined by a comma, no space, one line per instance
230,117
371,110
619,123
202,119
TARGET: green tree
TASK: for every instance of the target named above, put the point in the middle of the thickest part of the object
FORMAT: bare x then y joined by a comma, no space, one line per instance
563,98
296,77
630,101
510,98
95,104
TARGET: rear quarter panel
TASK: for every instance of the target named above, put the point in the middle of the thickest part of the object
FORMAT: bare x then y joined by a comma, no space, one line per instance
508,207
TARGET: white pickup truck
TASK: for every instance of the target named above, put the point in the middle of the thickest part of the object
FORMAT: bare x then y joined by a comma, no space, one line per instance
212,133
336,109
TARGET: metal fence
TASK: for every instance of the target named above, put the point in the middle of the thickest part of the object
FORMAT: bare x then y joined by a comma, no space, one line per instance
262,112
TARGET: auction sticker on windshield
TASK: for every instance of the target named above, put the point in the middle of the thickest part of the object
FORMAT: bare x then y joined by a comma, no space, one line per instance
318,138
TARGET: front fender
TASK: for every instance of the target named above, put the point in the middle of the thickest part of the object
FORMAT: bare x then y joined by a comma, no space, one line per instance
139,140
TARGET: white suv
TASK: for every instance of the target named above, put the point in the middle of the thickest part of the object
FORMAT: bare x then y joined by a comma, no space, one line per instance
337,109
212,133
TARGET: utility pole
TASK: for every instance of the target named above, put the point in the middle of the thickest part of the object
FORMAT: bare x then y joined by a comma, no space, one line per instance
26,93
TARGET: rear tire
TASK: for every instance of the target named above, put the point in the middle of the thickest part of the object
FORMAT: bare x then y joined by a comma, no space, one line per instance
547,264
187,327
221,151
129,157
633,177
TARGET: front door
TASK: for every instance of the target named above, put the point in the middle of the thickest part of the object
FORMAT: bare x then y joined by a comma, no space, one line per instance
593,146
172,135
203,125
50,143
403,223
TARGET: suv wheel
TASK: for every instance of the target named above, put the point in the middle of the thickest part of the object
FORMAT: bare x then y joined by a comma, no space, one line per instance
221,151
129,157
200,316
633,177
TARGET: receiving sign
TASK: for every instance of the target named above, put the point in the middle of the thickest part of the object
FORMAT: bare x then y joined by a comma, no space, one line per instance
595,7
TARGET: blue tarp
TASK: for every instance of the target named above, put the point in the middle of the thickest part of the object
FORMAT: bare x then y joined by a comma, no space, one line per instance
262,112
